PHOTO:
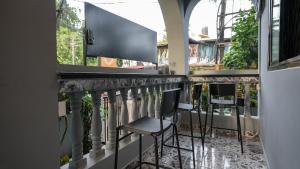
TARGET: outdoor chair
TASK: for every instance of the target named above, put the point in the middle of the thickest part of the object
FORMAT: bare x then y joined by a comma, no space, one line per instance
224,94
191,108
154,127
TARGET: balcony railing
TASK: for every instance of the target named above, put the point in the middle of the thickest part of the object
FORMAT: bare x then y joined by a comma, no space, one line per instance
116,87
126,97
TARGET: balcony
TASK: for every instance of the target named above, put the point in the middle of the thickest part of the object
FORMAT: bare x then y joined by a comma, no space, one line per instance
30,82
120,98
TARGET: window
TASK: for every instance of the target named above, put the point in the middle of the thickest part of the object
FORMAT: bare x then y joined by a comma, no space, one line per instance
284,34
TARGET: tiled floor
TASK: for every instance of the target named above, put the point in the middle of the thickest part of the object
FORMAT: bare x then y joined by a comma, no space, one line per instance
222,151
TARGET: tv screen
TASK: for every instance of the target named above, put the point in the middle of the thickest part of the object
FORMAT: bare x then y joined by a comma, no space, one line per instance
112,36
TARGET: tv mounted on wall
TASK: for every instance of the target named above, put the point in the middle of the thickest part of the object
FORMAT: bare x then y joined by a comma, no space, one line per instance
112,36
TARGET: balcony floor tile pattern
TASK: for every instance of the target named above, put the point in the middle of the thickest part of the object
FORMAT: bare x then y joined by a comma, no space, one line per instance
222,151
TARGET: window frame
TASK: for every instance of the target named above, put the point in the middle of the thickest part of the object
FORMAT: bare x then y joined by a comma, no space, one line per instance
288,63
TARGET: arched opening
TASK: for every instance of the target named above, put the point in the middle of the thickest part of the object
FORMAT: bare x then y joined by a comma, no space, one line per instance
210,32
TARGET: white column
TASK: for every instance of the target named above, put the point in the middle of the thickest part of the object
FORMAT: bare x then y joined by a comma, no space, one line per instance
135,111
112,120
157,101
221,107
96,126
177,31
247,100
151,108
247,114
143,108
76,131
124,111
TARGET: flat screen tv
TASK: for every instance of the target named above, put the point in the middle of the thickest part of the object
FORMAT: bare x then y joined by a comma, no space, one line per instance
112,36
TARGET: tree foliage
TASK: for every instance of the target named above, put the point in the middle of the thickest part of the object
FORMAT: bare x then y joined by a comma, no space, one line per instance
69,45
243,53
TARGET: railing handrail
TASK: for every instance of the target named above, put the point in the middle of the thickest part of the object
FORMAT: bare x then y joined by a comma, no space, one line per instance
227,73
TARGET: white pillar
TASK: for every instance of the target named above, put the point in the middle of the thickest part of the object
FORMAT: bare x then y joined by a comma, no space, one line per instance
28,80
76,131
143,108
96,126
124,111
157,101
151,108
177,34
112,119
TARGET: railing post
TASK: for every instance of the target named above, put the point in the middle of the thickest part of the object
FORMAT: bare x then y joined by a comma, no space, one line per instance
151,108
247,100
247,114
221,107
134,109
135,112
124,110
189,95
112,119
96,126
157,101
76,131
143,108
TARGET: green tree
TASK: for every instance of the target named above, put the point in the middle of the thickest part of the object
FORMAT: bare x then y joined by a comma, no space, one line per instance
69,46
69,35
243,53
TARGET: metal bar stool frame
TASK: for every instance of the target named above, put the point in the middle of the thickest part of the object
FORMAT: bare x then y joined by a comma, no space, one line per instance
222,90
190,108
170,110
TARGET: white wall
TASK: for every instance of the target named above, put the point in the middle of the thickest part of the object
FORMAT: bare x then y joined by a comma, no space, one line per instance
28,117
280,109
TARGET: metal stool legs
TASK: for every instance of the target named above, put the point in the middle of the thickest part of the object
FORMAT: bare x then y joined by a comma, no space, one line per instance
200,126
140,151
192,138
211,121
156,153
240,137
239,130
117,149
178,147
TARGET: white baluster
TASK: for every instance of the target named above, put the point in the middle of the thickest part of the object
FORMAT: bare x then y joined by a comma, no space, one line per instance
124,111
157,101
143,108
76,132
135,111
247,100
112,120
151,106
247,113
96,126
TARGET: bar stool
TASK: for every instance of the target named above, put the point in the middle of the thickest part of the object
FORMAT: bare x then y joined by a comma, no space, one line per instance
216,92
191,108
154,127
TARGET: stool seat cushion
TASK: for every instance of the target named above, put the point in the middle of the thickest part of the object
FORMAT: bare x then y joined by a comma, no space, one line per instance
184,106
147,125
